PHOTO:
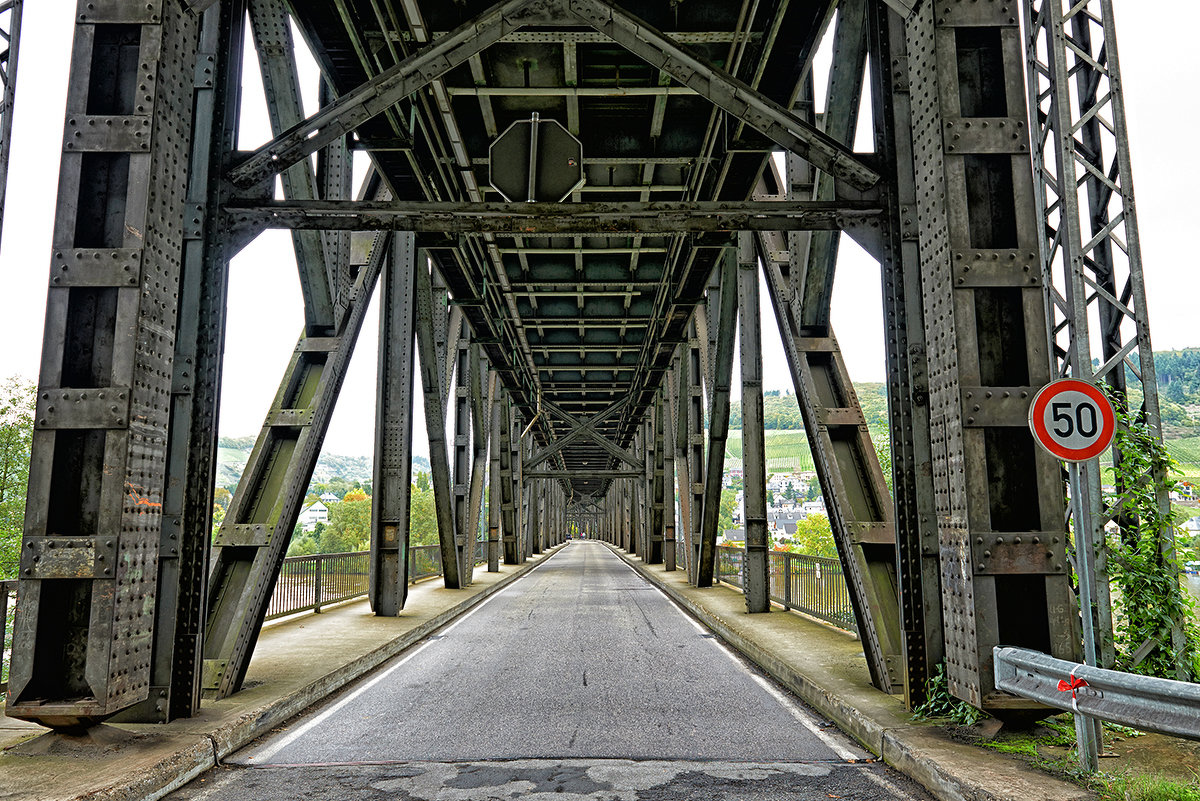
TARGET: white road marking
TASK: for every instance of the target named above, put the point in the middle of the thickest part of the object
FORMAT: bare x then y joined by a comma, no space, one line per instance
802,717
274,748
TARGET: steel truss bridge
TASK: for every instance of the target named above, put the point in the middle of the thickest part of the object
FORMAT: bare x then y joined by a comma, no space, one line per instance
578,353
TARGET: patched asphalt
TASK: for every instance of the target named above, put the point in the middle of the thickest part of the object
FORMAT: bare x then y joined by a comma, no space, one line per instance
579,681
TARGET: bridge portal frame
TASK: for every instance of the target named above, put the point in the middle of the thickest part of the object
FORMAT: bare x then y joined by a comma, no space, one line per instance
112,466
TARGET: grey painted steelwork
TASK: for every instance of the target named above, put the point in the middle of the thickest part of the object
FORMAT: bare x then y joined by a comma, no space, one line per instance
10,31
998,498
1143,702
917,550
1090,251
754,469
84,629
391,487
579,314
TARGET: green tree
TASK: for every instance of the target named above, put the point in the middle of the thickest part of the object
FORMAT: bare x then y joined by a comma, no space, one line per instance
422,481
422,516
349,527
814,536
728,506
18,398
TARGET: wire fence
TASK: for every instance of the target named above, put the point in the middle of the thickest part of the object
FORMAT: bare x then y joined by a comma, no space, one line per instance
306,583
813,585
8,597
310,582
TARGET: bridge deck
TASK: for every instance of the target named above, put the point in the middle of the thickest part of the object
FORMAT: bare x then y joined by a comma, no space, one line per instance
588,667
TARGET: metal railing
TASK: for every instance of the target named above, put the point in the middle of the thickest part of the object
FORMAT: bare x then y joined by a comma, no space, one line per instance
310,582
813,585
8,595
1143,702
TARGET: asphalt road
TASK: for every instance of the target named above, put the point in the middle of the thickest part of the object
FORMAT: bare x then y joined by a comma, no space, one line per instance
580,681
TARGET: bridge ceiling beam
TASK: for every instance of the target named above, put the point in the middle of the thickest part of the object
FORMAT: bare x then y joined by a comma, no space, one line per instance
378,94
551,219
736,98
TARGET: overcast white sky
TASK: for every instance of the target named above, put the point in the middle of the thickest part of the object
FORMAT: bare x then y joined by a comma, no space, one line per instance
1157,62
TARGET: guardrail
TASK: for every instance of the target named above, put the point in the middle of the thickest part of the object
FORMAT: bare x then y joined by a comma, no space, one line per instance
813,585
310,582
1142,702
8,594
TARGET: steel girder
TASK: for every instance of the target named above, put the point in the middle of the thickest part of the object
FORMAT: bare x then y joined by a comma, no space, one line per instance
84,629
725,326
1090,252
917,551
998,497
391,485
430,335
10,31
756,571
250,545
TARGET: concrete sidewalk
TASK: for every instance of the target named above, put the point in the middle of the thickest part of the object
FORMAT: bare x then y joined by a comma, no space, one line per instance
826,668
298,662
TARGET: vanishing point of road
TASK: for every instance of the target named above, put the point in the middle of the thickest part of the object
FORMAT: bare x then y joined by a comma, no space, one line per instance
579,682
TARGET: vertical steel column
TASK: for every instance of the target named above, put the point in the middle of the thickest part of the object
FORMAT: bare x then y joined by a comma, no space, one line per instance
494,476
658,479
668,432
432,366
191,446
522,504
512,551
84,628
12,33
718,425
694,375
391,482
481,415
463,538
917,563
999,498
1095,289
756,571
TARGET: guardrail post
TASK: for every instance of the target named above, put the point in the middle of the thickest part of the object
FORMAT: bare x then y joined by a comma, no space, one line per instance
317,584
787,581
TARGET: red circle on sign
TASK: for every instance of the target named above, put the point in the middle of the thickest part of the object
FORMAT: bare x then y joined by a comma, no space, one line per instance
1063,398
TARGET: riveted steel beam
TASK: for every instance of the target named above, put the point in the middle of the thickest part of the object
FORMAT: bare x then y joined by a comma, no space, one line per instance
391,483
528,219
84,629
432,362
252,541
727,92
378,94
272,32
718,425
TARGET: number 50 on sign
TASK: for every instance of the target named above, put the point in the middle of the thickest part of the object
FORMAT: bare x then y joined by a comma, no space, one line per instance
1072,420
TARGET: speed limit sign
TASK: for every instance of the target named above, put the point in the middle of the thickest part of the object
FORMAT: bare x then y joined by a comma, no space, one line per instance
1072,420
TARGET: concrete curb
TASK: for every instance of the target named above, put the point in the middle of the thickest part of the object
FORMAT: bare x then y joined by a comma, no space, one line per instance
950,770
204,749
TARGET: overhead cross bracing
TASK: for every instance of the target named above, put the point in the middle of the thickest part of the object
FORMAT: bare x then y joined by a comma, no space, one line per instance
577,321
578,354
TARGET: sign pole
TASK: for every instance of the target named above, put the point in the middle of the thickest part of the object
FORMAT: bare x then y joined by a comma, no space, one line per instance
1074,422
1087,729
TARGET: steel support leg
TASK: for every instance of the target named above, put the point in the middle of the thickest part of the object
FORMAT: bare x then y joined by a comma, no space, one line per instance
392,475
84,629
508,501
494,477
718,426
756,571
463,538
659,488
433,363
1001,513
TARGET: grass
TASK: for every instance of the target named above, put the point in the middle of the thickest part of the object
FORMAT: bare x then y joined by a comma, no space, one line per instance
1050,746
1145,788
